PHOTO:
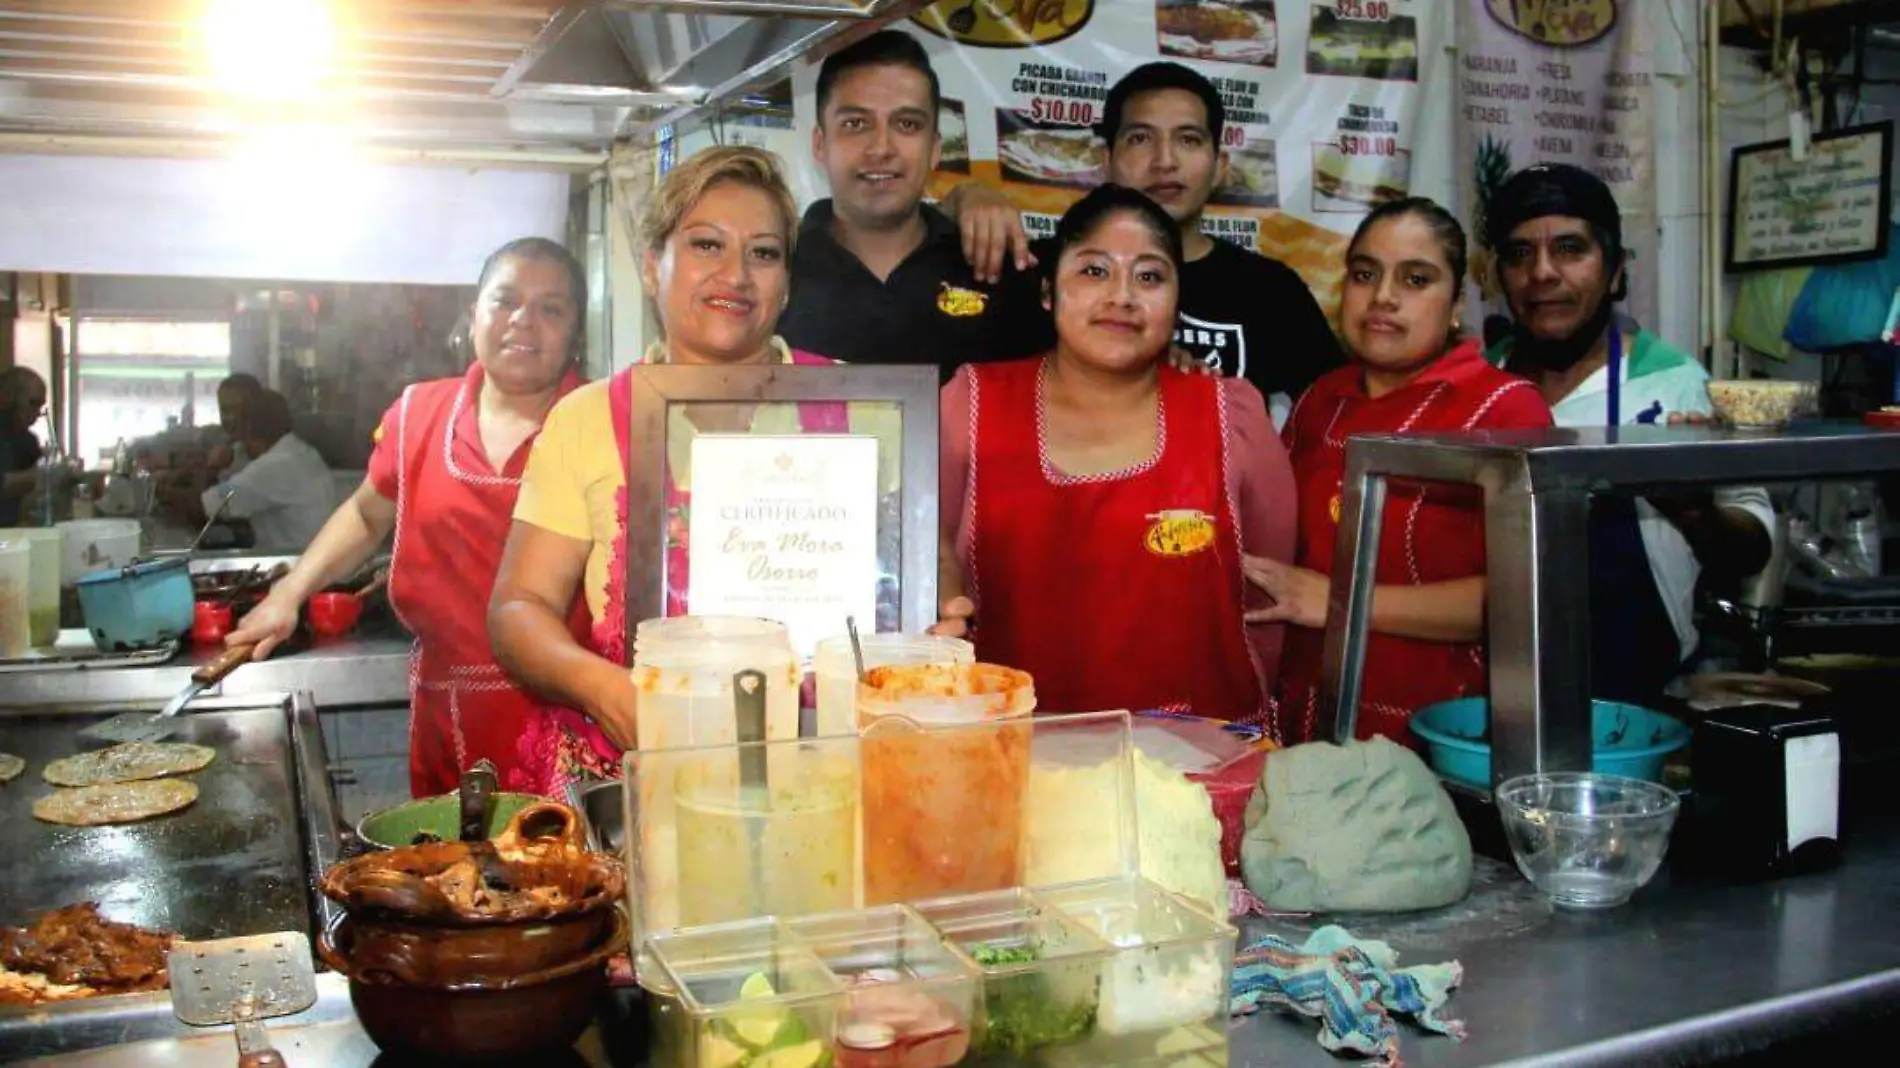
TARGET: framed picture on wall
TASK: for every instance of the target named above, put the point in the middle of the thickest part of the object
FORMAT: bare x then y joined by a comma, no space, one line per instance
1831,206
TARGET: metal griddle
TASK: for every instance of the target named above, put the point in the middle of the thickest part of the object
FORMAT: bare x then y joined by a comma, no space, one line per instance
234,863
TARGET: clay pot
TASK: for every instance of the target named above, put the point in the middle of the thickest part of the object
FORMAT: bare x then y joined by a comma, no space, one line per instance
393,953
473,1021
544,845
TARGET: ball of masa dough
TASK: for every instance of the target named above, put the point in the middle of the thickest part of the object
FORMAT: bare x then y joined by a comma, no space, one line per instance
1361,827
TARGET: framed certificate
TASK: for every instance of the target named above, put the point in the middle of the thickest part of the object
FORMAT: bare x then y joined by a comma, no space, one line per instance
1831,206
803,494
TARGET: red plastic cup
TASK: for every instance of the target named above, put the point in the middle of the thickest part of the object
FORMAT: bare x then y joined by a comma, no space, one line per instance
333,615
210,622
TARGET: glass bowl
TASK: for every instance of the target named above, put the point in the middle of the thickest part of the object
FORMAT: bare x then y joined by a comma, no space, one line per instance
1586,839
1760,403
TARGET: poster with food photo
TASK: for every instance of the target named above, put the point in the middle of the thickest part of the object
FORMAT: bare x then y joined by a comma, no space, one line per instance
1048,154
1228,31
1253,177
1357,183
1385,48
954,133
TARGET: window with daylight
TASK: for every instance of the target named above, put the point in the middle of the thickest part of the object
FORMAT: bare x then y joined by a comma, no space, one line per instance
140,377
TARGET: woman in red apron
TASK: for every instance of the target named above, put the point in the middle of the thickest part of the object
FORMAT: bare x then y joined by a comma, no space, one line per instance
1410,371
443,478
1099,501
719,235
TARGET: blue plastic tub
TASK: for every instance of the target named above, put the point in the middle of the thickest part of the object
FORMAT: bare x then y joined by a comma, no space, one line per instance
1627,739
138,607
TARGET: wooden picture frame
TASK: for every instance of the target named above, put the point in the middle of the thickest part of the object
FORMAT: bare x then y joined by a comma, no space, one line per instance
1783,214
657,388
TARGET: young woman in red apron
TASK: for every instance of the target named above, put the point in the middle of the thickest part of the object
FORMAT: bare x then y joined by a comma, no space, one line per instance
443,478
1410,372
1099,502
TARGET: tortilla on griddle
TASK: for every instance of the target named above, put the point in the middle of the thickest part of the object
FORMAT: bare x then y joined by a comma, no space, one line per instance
119,802
10,767
130,762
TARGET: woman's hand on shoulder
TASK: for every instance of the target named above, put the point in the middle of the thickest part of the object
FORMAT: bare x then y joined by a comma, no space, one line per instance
1299,595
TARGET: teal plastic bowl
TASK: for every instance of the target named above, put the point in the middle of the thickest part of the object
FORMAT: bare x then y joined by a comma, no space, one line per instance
1627,739
139,606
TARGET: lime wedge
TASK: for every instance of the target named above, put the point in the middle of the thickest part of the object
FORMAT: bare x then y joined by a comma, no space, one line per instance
757,985
720,1052
803,1055
757,1028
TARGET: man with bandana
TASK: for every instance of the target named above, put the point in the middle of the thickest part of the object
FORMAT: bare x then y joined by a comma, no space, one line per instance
1558,236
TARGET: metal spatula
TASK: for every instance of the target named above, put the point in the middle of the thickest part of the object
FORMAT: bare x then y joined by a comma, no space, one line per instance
146,727
244,981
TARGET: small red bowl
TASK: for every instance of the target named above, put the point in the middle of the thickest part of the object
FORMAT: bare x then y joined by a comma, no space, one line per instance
332,615
210,622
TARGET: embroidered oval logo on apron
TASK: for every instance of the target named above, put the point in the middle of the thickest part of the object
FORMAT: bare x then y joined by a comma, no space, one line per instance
1179,532
961,303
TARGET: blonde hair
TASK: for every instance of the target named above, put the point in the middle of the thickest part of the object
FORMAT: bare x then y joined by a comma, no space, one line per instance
686,183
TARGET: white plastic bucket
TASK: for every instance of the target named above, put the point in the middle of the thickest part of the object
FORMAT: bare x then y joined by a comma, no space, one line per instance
88,545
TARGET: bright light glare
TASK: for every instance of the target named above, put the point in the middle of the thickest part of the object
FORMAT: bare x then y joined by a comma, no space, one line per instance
270,49
299,183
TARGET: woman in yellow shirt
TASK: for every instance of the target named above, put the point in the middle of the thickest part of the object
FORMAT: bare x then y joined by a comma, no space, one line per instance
718,235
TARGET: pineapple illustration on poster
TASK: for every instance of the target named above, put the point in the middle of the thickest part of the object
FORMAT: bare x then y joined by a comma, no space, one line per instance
1558,81
1322,100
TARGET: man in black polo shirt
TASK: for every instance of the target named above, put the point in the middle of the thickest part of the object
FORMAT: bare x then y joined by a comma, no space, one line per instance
879,276
1241,313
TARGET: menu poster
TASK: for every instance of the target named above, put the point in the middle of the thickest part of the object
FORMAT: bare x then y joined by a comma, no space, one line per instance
1829,207
785,527
1321,98
1559,81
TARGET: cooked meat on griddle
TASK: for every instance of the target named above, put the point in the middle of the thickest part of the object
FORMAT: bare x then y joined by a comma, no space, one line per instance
75,946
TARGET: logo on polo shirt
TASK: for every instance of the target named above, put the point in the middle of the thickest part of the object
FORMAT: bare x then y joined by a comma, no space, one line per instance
960,302
1179,532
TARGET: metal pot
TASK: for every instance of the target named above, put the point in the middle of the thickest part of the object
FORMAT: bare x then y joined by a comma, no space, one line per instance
604,805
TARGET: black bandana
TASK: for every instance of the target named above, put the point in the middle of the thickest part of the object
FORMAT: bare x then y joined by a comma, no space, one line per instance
1559,189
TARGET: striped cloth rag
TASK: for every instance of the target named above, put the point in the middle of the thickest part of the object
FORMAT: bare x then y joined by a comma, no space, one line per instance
1355,987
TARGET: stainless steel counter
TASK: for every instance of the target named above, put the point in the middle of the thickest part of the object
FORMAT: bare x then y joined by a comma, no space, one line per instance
362,669
1687,973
